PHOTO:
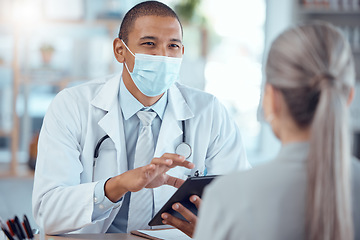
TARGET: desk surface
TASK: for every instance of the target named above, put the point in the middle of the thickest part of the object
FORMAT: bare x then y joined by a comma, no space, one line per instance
108,236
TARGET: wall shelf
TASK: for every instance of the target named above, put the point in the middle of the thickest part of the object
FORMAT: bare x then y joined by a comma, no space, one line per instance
327,11
78,42
347,18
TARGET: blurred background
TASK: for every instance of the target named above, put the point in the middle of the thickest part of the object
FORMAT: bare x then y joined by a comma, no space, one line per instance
48,45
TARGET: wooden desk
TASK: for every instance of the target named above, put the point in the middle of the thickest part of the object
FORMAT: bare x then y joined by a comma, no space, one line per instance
109,236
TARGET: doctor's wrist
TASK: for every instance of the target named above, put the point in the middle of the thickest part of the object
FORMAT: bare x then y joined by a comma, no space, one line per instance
114,189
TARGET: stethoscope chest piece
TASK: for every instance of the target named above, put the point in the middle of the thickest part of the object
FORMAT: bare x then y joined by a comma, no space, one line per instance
184,149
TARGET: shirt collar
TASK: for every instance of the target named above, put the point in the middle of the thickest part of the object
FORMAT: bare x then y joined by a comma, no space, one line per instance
130,105
295,151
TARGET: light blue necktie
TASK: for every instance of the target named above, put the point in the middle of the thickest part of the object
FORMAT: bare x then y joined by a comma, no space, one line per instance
141,202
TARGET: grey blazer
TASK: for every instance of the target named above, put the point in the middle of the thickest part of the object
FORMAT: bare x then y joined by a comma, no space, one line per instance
267,202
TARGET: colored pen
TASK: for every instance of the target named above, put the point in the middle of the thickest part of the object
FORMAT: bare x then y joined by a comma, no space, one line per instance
8,235
27,227
3,224
24,227
11,227
19,228
16,232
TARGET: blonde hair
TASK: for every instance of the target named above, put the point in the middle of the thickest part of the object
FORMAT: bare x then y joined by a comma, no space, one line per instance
313,68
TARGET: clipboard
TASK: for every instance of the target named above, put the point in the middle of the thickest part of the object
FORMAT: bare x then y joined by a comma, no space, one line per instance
161,234
140,234
192,186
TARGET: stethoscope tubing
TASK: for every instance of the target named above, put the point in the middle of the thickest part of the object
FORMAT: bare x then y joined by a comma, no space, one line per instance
187,151
97,147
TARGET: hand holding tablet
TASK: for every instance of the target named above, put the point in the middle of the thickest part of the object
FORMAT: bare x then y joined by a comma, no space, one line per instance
192,186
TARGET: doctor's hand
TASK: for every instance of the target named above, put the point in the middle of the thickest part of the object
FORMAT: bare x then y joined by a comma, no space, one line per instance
150,176
187,227
164,164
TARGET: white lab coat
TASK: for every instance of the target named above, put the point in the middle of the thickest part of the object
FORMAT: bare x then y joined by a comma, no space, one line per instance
79,116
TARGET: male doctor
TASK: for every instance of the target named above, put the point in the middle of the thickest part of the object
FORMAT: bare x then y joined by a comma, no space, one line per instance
95,173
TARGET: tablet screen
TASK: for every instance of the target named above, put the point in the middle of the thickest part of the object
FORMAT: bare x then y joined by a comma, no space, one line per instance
192,186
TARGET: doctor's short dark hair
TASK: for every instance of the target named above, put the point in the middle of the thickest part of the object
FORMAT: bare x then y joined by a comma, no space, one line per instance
148,8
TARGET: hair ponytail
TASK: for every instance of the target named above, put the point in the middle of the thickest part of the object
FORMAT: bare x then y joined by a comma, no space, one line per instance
315,75
328,201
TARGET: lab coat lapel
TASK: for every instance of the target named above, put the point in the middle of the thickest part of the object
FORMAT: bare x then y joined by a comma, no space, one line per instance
176,111
112,122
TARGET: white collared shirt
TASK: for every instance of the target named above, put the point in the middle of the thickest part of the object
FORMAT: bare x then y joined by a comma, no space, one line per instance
129,106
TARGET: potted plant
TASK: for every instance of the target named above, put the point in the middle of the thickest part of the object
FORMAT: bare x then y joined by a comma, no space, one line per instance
186,9
47,51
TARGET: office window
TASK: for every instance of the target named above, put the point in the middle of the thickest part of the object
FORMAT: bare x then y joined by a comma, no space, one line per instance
233,70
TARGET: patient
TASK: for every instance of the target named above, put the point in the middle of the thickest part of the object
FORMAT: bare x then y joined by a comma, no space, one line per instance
308,190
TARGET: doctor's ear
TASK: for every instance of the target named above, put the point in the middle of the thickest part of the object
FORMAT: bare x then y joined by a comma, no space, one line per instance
119,50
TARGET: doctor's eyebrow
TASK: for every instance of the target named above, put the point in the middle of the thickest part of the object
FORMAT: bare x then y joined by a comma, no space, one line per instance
175,40
148,38
155,38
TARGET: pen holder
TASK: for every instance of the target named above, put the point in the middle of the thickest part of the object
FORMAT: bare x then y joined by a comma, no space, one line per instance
16,229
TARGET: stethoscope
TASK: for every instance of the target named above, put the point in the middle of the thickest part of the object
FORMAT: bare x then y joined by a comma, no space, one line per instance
183,149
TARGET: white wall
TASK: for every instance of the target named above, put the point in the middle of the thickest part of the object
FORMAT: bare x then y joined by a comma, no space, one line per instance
279,16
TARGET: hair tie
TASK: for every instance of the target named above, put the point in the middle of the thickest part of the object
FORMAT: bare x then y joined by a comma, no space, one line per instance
325,80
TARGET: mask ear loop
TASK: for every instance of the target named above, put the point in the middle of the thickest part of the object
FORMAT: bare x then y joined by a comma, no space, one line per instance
127,48
127,68
131,54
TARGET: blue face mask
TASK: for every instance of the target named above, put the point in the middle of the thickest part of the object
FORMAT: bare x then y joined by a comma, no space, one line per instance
152,74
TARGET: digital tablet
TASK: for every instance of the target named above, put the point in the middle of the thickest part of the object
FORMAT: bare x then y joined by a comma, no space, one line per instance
192,186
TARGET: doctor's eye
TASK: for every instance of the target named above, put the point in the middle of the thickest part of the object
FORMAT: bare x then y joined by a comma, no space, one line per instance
148,44
174,45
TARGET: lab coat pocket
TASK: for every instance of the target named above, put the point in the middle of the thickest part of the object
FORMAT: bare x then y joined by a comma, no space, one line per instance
105,164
